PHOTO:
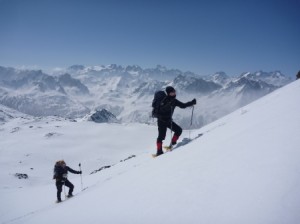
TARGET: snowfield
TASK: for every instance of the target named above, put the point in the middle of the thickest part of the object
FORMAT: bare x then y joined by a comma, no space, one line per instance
245,168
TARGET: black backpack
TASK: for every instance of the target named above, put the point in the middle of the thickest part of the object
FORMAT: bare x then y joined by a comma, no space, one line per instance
159,97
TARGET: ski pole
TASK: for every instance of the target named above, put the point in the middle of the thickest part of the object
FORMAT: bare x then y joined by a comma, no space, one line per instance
65,190
171,128
192,116
191,122
80,176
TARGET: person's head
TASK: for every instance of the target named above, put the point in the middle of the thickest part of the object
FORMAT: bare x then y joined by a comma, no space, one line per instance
171,91
298,75
61,163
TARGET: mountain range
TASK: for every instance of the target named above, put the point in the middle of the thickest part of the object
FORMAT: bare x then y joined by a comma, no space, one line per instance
127,92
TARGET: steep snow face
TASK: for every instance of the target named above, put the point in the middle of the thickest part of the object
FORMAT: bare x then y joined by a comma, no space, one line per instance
243,169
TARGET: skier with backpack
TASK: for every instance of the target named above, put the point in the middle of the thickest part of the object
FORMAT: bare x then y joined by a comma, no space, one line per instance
61,177
163,104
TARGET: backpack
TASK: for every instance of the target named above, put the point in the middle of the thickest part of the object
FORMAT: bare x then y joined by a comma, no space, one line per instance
159,97
55,172
58,170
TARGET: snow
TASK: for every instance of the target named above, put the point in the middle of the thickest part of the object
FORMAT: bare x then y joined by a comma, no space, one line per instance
243,169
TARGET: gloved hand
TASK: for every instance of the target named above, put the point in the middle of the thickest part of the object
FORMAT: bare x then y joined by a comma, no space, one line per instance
194,101
80,172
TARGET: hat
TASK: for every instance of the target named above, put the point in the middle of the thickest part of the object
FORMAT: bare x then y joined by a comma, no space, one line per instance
170,89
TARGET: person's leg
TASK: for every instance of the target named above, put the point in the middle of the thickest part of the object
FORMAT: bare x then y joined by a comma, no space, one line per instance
162,130
177,132
70,186
59,185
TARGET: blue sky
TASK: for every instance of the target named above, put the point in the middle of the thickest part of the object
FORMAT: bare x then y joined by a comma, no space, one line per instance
199,36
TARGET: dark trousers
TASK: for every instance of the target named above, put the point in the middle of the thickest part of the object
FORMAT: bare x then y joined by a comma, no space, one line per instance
59,186
162,131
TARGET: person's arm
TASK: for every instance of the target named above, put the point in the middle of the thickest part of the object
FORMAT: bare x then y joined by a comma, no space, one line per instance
73,171
185,105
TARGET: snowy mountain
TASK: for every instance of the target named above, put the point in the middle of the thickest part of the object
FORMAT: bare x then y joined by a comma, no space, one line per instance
102,116
127,92
38,94
160,73
249,88
242,168
72,86
220,78
7,114
217,95
274,78
194,85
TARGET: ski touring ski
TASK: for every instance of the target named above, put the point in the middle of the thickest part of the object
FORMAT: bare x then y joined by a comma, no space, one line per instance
184,141
69,197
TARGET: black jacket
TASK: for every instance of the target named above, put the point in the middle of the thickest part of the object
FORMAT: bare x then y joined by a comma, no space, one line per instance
61,173
167,108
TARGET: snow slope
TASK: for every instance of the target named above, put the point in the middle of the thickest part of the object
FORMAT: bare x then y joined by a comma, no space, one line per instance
243,169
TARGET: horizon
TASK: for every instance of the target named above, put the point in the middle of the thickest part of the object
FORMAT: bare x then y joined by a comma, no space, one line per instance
203,37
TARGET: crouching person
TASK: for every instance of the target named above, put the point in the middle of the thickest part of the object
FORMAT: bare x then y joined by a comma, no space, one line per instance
61,177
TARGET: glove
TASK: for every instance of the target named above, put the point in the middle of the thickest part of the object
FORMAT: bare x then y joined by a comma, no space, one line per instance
80,172
194,101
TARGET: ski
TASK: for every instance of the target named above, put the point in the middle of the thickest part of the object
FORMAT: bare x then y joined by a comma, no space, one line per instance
67,198
154,155
184,141
166,151
168,148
